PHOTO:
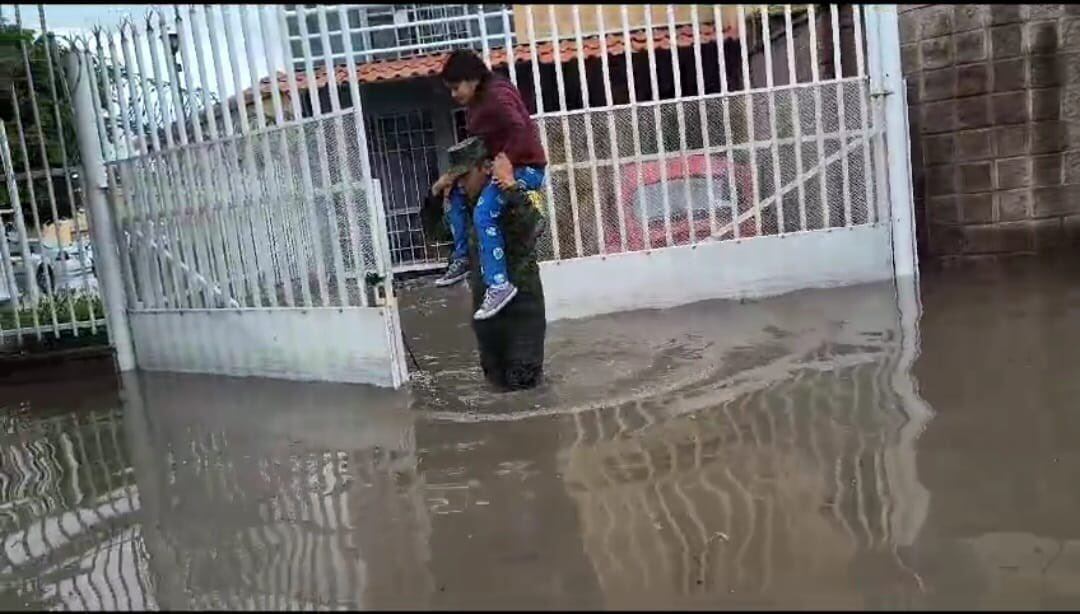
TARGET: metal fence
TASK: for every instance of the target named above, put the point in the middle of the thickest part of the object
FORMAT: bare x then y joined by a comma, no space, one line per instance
713,124
265,209
48,289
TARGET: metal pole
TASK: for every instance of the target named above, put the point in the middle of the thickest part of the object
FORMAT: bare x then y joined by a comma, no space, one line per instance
101,227
883,50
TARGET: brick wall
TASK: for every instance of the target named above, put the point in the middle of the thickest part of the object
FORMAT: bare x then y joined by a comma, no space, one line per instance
994,94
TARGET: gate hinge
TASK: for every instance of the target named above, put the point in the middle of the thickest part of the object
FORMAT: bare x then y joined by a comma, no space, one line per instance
879,93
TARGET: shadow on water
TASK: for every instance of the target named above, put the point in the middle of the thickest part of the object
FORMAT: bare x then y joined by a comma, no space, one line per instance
767,454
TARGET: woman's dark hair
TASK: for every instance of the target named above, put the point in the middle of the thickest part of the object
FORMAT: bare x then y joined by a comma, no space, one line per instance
464,65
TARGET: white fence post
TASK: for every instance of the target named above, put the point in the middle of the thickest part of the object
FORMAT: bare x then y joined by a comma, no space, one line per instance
94,182
883,44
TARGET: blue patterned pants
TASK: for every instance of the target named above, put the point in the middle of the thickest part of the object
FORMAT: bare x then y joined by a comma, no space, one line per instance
486,219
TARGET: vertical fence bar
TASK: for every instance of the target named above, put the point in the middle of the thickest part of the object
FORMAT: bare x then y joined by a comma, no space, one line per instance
819,128
248,188
196,164
20,223
860,65
635,123
725,99
20,229
482,25
541,119
259,180
320,140
290,244
95,184
590,140
46,167
183,217
680,115
139,195
187,216
64,162
306,180
838,75
658,119
217,216
159,201
699,82
751,128
104,86
262,209
358,260
793,80
508,44
613,139
560,83
774,147
135,246
172,216
884,49
233,203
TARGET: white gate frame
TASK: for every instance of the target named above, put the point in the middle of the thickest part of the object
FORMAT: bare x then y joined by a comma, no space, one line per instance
188,311
760,266
877,247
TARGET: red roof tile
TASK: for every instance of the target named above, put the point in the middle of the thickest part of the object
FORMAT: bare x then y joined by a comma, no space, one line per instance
431,64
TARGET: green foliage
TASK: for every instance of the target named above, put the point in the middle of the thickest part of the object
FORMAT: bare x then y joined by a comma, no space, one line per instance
17,109
85,306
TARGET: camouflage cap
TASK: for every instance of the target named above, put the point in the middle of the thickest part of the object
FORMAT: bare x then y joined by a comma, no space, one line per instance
466,155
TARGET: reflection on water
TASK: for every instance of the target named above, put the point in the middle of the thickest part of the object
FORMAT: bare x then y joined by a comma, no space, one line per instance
718,455
71,538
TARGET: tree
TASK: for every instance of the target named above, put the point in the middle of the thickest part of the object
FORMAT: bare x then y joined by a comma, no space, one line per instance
16,103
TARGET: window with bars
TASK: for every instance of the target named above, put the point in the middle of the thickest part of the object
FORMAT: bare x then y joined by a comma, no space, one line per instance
419,29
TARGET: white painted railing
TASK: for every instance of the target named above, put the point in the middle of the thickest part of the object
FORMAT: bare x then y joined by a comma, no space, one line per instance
48,288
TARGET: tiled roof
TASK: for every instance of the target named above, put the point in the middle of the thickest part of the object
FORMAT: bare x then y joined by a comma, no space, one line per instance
431,64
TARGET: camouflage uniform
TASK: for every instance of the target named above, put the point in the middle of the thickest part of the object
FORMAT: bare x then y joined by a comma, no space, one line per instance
511,344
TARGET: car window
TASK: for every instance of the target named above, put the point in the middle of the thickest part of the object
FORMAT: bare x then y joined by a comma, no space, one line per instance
693,190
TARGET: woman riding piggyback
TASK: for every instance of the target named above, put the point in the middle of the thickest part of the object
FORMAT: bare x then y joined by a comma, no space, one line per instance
495,113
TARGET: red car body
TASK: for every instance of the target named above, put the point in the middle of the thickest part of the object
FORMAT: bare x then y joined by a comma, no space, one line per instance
685,175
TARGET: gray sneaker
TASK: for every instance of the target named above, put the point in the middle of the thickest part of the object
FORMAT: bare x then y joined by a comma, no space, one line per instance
457,271
495,298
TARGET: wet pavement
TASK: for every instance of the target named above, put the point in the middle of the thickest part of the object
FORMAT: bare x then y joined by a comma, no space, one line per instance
814,450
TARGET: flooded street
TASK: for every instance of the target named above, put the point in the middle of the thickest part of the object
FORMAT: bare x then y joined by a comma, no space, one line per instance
803,451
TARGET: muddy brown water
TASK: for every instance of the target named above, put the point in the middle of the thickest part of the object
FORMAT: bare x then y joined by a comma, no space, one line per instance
803,451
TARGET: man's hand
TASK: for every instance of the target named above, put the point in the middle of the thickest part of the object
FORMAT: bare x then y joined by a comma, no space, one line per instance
443,184
502,172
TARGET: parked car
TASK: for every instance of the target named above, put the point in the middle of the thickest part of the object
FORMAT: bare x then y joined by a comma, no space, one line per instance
687,181
52,266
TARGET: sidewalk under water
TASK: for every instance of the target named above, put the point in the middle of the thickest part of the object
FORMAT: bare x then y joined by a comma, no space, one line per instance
804,451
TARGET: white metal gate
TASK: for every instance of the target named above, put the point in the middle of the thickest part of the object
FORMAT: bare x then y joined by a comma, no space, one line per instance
716,151
251,242
695,152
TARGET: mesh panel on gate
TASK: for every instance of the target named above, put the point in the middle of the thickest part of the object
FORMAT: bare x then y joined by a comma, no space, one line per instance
255,213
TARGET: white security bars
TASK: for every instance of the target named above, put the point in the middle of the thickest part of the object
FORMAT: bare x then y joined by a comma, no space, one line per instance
246,214
243,197
675,125
243,168
48,286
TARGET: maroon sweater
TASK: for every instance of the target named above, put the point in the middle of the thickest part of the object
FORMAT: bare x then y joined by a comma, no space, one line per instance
500,118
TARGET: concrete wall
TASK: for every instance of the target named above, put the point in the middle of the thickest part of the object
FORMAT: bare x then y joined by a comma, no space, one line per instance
994,93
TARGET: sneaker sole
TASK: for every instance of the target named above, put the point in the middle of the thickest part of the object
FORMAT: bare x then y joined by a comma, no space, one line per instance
491,314
442,283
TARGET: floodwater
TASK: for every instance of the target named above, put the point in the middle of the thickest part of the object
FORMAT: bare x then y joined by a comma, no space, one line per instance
814,450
